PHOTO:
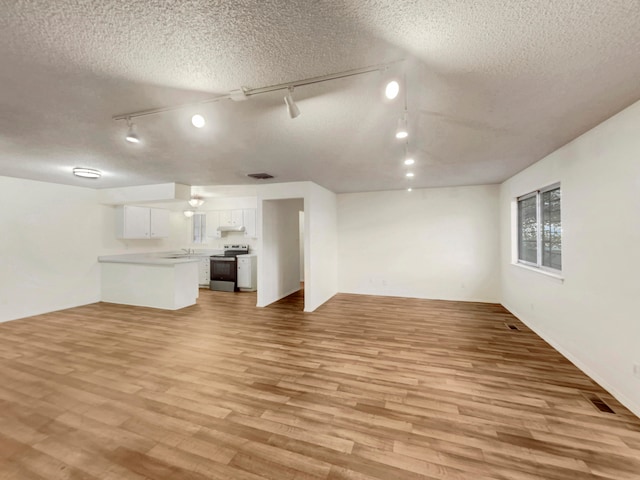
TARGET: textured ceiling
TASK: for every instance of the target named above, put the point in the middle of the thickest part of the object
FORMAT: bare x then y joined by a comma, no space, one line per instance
492,86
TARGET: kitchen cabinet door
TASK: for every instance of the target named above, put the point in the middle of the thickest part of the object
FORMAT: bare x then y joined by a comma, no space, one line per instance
133,222
249,222
230,217
159,219
141,222
247,278
213,222
244,273
204,271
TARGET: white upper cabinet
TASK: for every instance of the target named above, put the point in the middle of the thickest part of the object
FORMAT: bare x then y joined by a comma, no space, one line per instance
213,222
159,223
230,217
249,222
141,222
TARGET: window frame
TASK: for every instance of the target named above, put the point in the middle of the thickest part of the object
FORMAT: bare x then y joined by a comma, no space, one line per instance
538,196
202,228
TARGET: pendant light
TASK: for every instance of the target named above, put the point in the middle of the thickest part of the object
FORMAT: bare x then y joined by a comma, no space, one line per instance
196,201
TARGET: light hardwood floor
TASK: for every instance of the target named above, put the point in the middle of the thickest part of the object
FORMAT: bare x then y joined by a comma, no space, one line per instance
365,388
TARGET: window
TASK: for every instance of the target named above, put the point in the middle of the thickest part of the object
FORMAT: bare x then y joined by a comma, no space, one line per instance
199,228
540,228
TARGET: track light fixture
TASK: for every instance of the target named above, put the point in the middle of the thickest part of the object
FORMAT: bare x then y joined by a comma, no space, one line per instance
244,93
402,131
292,108
131,134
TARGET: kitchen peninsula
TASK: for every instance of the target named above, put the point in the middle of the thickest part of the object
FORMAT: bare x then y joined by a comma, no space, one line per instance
158,280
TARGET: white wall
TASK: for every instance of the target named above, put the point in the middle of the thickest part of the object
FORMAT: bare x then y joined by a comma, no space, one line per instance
321,250
439,243
592,317
280,249
320,239
48,247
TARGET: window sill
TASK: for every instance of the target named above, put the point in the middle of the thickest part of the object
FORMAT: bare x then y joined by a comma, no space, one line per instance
540,271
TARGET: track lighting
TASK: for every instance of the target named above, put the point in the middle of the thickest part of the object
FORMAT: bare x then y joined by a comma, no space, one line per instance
392,89
401,130
292,108
86,172
198,121
131,134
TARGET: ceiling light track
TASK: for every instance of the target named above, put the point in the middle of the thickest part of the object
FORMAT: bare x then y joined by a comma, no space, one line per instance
248,92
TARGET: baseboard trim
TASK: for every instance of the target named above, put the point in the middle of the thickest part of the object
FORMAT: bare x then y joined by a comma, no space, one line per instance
586,369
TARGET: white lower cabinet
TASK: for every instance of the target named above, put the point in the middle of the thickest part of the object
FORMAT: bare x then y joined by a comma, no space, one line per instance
204,271
247,272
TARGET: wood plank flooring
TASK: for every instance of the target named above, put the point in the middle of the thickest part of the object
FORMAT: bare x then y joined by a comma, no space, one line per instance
365,388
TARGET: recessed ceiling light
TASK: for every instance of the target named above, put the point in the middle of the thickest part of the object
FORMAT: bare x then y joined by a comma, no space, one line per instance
409,189
410,174
392,89
409,161
86,172
198,121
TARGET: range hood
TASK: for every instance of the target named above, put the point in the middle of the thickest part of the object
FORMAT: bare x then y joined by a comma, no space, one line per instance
231,228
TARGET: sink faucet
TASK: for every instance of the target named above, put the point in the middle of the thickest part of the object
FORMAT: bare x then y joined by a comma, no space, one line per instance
188,251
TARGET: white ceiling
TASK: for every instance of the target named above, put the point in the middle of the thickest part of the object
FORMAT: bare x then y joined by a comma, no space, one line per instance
493,86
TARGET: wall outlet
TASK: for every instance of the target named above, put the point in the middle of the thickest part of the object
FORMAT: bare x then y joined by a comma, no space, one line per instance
636,370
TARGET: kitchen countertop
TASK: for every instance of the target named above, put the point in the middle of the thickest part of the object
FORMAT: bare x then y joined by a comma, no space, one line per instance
156,258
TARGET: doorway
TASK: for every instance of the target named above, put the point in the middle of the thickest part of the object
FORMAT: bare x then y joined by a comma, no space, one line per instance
280,266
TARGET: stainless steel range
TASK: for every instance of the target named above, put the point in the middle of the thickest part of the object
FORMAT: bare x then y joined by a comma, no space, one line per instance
224,268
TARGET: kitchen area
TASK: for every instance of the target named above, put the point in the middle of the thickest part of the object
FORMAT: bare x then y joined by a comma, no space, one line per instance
217,240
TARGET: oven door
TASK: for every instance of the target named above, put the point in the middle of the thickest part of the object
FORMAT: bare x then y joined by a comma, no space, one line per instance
224,269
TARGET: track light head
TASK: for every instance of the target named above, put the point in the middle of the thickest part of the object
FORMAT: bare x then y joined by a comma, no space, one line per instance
131,137
292,108
401,130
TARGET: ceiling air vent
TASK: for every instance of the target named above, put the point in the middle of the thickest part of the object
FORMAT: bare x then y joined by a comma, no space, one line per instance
260,176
